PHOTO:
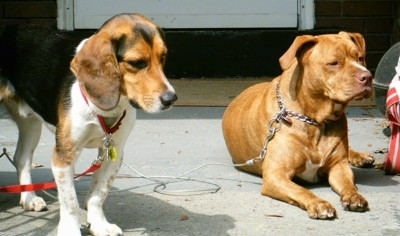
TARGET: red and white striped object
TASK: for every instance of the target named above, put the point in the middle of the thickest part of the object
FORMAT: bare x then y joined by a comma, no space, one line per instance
391,164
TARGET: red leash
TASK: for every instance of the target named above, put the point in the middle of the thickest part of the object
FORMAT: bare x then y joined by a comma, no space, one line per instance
42,186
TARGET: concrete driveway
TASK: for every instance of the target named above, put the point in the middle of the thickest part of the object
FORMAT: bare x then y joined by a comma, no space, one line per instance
212,197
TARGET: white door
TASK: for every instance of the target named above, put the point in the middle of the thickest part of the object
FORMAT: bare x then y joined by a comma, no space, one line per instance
191,14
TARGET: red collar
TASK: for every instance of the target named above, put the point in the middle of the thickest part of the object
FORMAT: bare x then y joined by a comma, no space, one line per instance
105,128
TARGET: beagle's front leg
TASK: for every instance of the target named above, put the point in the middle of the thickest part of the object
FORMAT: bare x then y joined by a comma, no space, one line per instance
63,171
101,183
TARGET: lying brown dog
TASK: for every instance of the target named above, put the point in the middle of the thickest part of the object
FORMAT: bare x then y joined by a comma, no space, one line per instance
298,121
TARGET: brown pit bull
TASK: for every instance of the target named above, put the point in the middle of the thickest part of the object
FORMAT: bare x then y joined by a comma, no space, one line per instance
295,127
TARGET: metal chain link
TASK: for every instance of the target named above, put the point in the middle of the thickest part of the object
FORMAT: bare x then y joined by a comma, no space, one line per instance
289,113
274,125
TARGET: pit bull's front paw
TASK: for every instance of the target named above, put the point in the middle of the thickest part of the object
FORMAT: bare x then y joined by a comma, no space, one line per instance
321,209
354,202
360,159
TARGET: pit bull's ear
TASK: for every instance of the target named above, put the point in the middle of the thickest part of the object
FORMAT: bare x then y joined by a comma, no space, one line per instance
96,68
287,58
357,38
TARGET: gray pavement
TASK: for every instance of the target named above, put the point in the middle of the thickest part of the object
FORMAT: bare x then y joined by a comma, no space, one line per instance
189,140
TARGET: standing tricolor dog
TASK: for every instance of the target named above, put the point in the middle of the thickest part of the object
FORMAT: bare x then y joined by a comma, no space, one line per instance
88,95
296,127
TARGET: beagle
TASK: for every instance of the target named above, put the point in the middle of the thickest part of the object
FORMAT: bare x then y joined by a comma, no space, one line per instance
88,95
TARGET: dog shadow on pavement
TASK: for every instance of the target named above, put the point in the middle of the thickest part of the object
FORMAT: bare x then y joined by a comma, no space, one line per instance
136,214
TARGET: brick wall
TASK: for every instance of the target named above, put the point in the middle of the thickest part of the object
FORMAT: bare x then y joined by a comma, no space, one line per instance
41,12
375,19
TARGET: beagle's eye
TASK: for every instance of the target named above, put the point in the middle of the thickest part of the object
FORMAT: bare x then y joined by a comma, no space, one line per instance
138,64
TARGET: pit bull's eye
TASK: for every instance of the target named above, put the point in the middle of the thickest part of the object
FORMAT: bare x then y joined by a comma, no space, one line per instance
360,59
163,59
333,63
139,64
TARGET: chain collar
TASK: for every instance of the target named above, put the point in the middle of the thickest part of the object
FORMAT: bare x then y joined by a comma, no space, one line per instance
274,125
286,114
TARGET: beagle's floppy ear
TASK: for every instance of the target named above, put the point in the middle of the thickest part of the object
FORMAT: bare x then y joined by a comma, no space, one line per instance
287,58
96,68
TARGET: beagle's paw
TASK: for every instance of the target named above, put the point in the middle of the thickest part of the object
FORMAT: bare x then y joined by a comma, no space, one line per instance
33,203
68,226
105,229
320,209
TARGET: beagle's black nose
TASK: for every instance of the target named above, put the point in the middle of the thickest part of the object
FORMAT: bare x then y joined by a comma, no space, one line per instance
168,98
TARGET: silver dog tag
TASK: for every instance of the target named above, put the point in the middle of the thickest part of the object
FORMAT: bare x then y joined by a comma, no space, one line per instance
110,151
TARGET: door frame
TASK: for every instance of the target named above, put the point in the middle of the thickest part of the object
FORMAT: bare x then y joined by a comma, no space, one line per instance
305,15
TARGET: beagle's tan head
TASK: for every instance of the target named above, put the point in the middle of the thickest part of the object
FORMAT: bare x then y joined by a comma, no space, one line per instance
125,60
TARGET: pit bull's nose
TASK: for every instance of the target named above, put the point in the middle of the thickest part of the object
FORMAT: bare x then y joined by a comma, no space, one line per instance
364,77
168,98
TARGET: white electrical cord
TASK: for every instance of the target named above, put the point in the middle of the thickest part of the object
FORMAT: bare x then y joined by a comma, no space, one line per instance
160,186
